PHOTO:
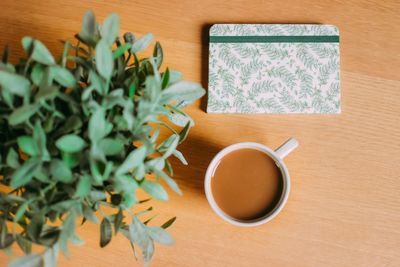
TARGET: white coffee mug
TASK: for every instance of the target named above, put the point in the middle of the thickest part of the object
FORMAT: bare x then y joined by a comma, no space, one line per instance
276,155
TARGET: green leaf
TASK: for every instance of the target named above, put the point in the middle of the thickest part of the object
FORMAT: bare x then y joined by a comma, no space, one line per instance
180,156
89,214
88,29
183,91
110,29
139,172
128,114
24,244
138,235
25,173
63,76
156,164
72,160
15,84
179,119
165,79
97,126
33,260
105,232
21,210
168,167
104,59
168,223
46,92
83,187
133,160
118,220
67,231
6,240
70,143
185,131
37,74
128,200
28,145
125,183
50,256
22,114
111,147
175,76
121,50
142,43
40,53
97,195
72,123
172,146
35,226
171,183
60,171
40,138
161,236
12,159
158,54
155,190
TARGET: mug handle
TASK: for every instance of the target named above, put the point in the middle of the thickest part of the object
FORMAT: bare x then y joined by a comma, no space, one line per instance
287,147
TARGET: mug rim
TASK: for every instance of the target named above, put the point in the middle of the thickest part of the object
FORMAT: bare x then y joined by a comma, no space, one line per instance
271,214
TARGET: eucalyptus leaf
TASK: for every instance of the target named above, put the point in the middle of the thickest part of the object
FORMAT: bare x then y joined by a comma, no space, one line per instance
110,28
158,54
88,30
111,147
22,114
121,50
37,74
14,83
155,190
132,160
33,260
174,76
71,143
172,146
142,43
24,244
12,159
161,236
83,187
168,223
97,126
105,232
24,174
171,183
39,52
138,235
104,59
60,171
182,91
63,76
180,156
50,256
28,145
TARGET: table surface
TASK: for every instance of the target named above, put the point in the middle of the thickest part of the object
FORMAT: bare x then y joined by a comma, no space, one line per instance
344,207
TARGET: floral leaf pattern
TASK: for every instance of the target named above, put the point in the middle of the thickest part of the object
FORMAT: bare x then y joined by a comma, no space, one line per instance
295,77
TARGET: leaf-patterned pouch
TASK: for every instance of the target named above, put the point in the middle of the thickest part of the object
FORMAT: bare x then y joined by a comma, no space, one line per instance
274,68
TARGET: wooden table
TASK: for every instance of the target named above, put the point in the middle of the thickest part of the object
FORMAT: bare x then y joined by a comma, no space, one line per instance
344,208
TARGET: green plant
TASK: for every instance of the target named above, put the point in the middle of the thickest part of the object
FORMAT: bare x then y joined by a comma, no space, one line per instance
80,135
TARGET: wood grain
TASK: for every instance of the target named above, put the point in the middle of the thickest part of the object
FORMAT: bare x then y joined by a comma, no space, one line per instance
344,208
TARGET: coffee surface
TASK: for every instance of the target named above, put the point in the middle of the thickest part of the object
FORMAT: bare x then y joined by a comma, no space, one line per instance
247,184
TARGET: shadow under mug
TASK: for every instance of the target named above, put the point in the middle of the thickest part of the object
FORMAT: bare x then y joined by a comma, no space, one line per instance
277,156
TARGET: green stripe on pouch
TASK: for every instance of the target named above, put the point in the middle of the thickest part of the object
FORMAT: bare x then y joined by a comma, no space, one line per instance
276,39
